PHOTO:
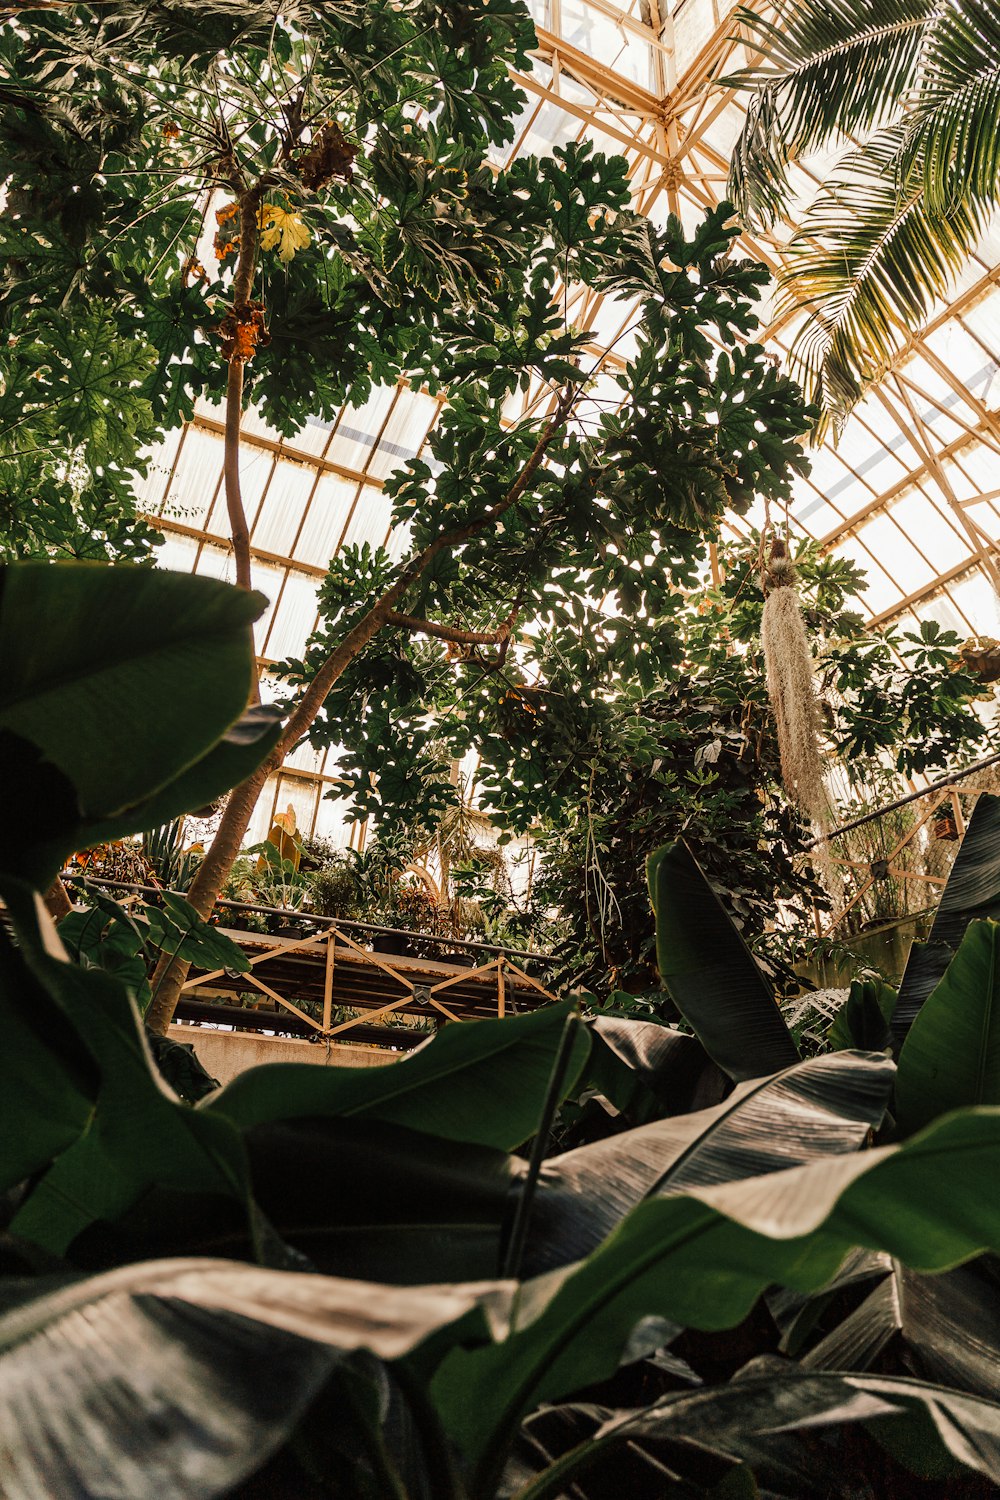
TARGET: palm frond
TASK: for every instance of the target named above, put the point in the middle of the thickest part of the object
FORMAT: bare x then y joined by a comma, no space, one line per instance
954,114
868,263
828,67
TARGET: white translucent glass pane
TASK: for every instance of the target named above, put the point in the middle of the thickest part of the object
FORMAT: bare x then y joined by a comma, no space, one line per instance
268,581
976,597
404,432
370,522
205,406
217,562
325,519
945,612
177,554
313,437
694,26
293,618
981,466
300,796
816,517
617,47
869,455
399,542
196,478
879,593
899,557
149,489
930,529
333,823
261,818
958,482
253,424
305,757
984,516
551,127
964,356
256,465
359,428
983,319
281,512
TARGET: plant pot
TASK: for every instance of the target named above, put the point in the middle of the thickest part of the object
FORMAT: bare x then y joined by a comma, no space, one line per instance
392,943
289,930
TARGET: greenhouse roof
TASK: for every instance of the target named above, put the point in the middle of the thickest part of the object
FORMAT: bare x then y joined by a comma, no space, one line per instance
910,492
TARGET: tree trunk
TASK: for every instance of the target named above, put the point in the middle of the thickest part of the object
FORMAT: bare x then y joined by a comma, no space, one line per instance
171,973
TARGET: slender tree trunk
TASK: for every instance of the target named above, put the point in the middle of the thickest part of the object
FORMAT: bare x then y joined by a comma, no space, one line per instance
57,900
205,888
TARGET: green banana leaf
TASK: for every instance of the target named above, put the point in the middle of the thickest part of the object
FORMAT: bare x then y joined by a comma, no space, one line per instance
117,682
758,1421
483,1082
951,1055
863,1019
710,973
135,1133
972,890
702,1259
949,1325
179,1377
822,1107
647,1070
230,760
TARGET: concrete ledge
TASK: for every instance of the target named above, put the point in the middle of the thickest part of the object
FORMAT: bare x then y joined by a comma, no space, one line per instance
224,1054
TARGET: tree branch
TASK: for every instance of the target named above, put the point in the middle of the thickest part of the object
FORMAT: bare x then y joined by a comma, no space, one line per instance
451,633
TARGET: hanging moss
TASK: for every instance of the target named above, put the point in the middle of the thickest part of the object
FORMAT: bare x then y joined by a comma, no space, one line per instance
791,688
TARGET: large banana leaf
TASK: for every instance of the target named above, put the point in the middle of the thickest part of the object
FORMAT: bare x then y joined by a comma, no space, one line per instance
759,1419
951,1055
710,972
702,1259
973,890
949,1324
117,682
648,1070
823,1107
125,1169
135,1134
179,1377
483,1082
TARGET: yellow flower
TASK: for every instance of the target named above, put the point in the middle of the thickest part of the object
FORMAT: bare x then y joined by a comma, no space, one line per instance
281,230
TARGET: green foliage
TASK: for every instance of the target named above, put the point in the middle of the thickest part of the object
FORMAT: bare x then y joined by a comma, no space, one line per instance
370,123
594,551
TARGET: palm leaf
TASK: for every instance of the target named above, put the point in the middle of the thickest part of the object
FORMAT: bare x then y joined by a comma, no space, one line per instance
827,68
953,129
869,260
